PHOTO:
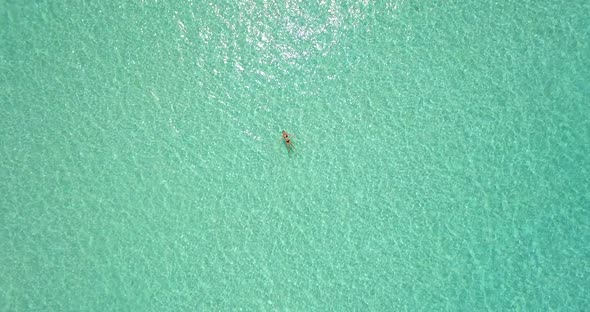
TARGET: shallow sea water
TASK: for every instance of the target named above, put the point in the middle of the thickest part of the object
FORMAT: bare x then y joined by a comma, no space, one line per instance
442,158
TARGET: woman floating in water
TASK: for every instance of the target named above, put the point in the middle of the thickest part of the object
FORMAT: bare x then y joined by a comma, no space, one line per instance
288,141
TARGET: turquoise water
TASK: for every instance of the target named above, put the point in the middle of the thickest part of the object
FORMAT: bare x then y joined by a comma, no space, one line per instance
442,156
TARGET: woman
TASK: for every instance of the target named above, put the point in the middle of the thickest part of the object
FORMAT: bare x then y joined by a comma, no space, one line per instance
288,141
